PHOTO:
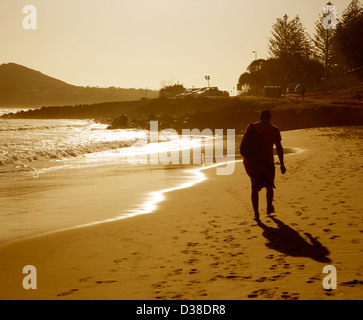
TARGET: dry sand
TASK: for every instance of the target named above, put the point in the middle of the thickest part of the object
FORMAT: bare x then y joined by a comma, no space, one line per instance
201,243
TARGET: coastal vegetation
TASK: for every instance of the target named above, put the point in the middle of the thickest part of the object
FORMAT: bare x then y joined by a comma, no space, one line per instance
331,59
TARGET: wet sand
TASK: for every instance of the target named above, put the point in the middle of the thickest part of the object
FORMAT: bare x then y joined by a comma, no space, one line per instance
201,242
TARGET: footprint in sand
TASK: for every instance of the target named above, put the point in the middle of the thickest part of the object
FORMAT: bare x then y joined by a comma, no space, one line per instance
254,294
159,285
215,278
192,283
214,264
178,271
175,272
352,283
334,237
193,271
287,296
329,292
266,293
67,293
262,279
312,280
229,239
192,244
105,281
202,293
85,279
232,275
191,261
119,260
276,277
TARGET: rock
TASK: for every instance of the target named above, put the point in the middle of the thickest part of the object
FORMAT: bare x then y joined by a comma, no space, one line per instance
119,123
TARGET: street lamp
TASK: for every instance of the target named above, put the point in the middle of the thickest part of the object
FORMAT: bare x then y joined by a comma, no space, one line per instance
207,78
255,52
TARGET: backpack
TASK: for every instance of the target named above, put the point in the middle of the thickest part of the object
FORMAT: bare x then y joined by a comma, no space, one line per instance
251,145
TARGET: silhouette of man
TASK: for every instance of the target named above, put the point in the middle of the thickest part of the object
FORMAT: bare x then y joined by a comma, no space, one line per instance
261,169
303,90
358,97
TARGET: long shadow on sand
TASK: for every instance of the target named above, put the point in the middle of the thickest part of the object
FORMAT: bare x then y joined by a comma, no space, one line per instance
286,240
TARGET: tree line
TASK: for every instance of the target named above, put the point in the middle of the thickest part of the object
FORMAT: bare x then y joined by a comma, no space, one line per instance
321,62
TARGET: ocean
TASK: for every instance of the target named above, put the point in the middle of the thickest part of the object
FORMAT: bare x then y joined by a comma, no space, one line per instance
60,174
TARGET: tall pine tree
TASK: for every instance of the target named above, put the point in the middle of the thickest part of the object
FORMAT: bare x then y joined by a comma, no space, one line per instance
325,40
289,40
349,35
290,44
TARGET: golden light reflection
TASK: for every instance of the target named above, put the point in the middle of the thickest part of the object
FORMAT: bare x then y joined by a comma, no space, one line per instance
156,197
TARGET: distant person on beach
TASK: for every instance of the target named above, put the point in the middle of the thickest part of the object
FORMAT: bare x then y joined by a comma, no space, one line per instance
258,159
358,97
303,90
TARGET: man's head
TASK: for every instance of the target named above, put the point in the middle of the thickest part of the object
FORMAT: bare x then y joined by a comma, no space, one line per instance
265,115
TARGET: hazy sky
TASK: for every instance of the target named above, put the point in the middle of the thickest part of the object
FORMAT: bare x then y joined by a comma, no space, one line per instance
140,43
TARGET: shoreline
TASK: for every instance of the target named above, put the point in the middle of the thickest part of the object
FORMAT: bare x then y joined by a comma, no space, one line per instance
56,181
151,199
117,200
147,207
201,242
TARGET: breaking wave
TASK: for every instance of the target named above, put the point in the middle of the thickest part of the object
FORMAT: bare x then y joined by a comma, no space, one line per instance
29,141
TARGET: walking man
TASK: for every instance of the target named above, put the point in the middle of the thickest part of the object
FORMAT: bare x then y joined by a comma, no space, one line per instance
258,159
303,90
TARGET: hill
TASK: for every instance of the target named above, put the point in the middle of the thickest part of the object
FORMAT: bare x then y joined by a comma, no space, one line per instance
24,87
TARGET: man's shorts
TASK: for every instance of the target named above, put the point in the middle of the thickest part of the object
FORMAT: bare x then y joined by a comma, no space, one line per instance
262,174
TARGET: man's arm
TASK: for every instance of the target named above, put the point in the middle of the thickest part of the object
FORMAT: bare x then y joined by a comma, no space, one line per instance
280,153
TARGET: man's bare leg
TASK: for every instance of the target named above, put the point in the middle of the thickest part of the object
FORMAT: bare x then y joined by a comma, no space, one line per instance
270,197
254,198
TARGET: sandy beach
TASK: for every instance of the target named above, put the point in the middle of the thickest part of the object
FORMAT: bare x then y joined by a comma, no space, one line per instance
201,242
